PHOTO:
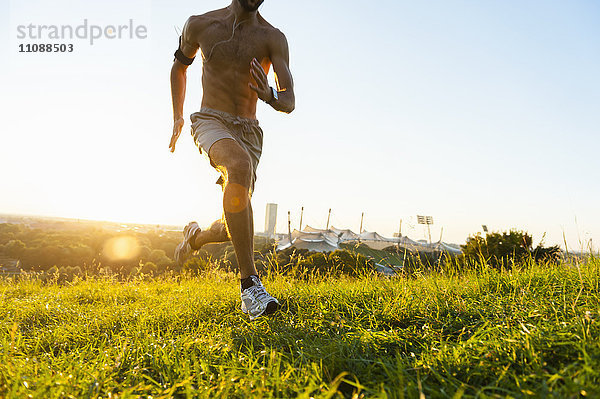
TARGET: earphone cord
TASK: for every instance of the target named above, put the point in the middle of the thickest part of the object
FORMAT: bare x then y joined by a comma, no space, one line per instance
235,26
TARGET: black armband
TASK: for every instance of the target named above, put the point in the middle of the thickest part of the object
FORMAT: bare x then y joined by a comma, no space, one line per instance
179,56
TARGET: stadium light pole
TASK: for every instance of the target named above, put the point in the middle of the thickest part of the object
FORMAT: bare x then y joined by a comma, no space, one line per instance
361,222
289,228
301,214
328,216
399,236
428,220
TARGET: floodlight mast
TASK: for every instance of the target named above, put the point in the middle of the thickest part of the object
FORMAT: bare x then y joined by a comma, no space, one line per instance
399,236
328,216
301,214
361,223
428,220
289,228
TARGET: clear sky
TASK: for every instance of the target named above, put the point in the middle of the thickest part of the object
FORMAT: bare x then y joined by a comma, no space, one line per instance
475,113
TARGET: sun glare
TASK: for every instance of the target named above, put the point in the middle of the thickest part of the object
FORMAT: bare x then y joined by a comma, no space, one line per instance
121,248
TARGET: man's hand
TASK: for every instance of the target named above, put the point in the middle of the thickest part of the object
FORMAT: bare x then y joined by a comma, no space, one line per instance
177,126
262,87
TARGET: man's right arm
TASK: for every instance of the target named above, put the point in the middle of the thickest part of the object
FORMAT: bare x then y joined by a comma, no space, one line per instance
189,47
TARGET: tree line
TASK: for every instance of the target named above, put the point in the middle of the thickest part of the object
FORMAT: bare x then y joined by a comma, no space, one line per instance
82,251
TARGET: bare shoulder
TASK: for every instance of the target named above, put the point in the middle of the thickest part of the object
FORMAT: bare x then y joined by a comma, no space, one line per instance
211,16
274,36
196,24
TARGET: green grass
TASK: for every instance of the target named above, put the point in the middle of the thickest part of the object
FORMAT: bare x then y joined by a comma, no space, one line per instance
531,332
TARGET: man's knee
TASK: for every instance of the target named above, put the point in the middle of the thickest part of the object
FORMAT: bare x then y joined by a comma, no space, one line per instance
239,171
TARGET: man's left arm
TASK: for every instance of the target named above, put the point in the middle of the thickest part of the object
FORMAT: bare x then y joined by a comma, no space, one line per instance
280,58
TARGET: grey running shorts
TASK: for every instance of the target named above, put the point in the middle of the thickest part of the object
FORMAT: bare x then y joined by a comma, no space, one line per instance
210,126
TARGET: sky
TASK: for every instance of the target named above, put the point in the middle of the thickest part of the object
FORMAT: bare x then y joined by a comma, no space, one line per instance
471,112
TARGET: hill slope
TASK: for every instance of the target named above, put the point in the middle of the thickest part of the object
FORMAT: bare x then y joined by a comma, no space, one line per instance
529,332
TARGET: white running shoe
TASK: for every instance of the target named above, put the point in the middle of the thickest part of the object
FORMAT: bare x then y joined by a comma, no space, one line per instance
256,301
184,248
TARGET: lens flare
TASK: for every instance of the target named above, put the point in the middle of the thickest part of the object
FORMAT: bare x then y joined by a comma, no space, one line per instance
235,198
121,248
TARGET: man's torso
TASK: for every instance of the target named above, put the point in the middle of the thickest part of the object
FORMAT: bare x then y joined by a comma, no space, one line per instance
226,63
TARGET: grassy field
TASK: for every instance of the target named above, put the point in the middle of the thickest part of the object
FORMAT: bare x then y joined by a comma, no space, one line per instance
527,333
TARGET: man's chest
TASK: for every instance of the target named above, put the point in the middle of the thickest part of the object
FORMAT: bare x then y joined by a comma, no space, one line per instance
225,46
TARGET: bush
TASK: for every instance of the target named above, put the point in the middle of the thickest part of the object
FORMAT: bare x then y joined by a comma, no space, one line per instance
550,254
159,258
502,250
149,268
145,253
196,265
315,262
350,263
15,248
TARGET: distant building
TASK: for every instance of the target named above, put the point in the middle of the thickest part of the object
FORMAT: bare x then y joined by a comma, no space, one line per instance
270,220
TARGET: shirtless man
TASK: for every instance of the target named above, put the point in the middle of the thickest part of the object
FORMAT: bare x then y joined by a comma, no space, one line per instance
237,47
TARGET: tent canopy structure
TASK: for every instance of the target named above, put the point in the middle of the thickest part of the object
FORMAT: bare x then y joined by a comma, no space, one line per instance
313,240
321,240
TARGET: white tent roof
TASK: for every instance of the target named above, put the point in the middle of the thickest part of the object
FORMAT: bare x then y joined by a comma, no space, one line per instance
345,234
322,240
310,229
316,240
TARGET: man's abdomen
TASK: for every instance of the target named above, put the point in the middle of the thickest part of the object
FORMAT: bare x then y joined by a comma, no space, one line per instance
229,91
